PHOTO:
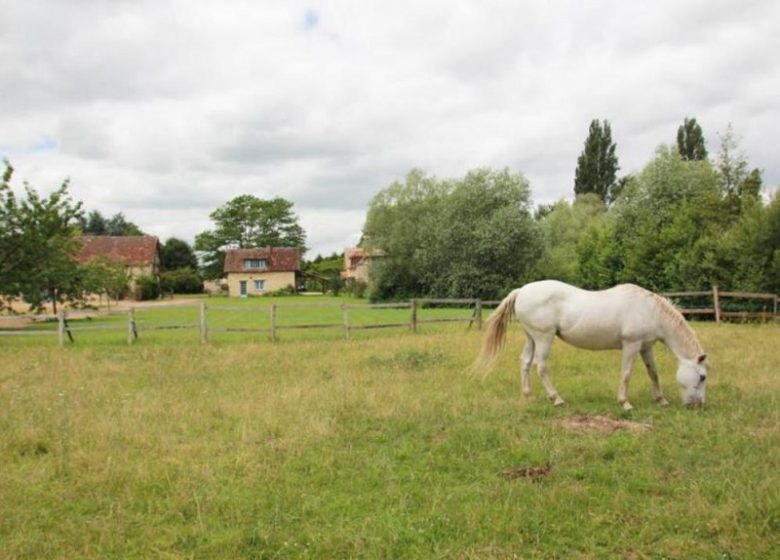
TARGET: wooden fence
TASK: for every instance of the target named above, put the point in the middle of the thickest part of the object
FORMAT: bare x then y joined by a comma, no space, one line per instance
715,305
66,328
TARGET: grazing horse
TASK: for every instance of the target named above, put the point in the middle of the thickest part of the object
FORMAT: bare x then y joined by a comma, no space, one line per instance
625,317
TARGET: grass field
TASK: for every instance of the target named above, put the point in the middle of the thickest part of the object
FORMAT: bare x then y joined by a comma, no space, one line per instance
379,447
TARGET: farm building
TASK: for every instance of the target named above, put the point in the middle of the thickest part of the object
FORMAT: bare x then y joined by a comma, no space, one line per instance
139,254
358,262
262,270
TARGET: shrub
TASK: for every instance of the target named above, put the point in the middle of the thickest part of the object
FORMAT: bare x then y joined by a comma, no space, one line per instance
147,288
289,290
181,281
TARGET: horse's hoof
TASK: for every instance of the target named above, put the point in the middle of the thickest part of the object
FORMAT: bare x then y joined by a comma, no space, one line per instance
627,406
662,401
558,401
526,394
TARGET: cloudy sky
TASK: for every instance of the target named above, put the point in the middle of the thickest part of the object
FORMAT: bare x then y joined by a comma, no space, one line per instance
165,110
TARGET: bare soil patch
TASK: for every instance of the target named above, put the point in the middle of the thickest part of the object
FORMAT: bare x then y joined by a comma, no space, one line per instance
534,474
587,423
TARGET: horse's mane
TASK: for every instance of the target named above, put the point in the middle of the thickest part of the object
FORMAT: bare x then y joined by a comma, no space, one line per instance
675,319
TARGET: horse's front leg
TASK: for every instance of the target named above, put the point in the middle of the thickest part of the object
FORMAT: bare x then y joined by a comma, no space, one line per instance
630,350
652,372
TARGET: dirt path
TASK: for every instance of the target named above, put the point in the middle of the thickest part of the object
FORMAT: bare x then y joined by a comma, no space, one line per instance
100,308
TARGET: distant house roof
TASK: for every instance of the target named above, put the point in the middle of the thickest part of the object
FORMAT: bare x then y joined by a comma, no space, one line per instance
355,256
127,250
278,259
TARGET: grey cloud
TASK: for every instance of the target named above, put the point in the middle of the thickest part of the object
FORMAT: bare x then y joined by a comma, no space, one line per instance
169,109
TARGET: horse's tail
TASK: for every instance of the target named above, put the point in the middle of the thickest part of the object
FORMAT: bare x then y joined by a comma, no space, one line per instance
495,337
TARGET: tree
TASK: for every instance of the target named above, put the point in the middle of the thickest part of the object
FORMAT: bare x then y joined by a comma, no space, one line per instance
94,224
690,140
177,253
740,186
248,221
101,276
471,237
597,165
39,239
181,281
562,229
665,222
118,225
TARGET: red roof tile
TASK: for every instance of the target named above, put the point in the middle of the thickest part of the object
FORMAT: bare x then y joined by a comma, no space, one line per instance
128,250
278,259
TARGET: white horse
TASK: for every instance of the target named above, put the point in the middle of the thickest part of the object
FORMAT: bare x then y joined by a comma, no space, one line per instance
625,317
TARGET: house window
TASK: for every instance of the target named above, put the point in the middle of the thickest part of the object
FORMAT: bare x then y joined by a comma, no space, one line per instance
255,263
259,285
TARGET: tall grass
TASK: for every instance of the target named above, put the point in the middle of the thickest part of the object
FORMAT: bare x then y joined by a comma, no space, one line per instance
381,447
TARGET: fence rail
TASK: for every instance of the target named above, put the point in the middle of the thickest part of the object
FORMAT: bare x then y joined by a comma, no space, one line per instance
717,311
270,313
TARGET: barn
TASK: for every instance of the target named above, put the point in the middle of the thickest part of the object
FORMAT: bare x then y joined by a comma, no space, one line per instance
140,254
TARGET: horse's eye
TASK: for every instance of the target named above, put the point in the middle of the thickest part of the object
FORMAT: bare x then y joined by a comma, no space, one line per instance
702,378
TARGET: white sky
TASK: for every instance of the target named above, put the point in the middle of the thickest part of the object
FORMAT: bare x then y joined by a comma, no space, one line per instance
165,110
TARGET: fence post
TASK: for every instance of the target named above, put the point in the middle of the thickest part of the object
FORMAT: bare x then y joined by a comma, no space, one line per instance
273,322
413,325
203,328
61,328
716,303
478,313
346,322
130,326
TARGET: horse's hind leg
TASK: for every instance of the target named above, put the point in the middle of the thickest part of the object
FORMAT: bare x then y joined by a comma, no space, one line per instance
526,359
652,372
543,344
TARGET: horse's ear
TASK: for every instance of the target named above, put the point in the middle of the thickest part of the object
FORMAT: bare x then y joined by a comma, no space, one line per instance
701,358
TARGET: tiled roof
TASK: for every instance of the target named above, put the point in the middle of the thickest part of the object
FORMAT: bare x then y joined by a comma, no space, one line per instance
128,250
355,256
278,259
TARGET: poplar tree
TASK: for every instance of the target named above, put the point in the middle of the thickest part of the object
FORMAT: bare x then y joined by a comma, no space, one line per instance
690,141
597,165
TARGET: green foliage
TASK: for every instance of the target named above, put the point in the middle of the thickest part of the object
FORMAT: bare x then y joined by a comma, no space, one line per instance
562,230
324,273
100,276
147,288
117,225
740,187
39,238
248,221
597,165
281,292
660,219
690,140
356,288
177,253
676,225
471,237
181,281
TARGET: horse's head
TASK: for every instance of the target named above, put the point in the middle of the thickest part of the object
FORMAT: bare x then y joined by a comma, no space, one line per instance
692,379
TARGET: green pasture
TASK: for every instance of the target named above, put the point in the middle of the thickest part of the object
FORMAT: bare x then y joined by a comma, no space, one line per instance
382,446
241,320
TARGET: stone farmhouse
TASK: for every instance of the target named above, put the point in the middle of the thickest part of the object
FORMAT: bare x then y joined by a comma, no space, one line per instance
358,262
139,254
262,270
